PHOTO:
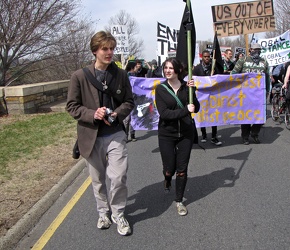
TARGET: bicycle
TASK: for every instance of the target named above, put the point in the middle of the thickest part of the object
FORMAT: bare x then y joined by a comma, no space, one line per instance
280,105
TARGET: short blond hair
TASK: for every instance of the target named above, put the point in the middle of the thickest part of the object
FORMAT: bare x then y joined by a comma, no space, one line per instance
101,39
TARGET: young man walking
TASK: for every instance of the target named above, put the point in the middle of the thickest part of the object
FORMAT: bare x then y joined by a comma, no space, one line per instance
100,103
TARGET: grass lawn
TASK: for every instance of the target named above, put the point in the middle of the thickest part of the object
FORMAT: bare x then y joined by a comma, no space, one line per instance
36,152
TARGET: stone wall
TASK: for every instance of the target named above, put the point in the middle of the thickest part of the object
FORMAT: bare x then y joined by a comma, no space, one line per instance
2,103
26,99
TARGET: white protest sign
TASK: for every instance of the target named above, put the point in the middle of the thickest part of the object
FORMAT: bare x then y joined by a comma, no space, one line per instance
121,35
166,40
276,50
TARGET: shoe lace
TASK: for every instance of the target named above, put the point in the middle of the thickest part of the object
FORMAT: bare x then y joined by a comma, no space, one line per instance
104,220
123,222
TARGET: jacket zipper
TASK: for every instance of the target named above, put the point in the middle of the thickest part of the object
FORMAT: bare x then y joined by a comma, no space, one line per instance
178,128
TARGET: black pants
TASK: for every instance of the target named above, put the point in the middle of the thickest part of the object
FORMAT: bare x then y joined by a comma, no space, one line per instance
248,129
175,155
213,131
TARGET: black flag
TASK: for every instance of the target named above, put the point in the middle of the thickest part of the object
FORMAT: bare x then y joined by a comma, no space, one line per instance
218,62
187,23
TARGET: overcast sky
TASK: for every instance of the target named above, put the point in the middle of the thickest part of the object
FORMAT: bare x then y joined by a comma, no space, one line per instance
149,12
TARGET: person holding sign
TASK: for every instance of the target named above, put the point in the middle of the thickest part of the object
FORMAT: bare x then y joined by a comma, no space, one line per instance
99,98
256,64
204,69
176,128
228,63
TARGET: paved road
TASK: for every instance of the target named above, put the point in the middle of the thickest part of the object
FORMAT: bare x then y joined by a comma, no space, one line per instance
237,197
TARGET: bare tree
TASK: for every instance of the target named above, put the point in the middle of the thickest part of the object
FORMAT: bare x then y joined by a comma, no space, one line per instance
122,18
28,30
69,53
282,14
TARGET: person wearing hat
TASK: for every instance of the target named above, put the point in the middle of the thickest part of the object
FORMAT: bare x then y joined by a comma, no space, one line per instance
253,63
155,71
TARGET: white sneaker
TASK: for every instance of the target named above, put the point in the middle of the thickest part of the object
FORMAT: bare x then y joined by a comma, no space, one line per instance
181,209
104,222
123,226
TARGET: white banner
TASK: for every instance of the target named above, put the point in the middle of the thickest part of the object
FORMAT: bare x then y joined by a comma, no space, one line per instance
121,35
276,50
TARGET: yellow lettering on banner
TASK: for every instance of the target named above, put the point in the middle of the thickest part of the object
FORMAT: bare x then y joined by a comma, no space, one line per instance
232,102
204,105
256,113
247,115
229,116
253,83
197,83
259,78
214,102
241,97
155,83
214,117
241,115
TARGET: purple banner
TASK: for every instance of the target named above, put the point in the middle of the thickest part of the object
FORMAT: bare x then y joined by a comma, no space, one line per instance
224,100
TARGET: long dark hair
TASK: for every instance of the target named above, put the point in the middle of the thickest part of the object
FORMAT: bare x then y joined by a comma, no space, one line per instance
177,66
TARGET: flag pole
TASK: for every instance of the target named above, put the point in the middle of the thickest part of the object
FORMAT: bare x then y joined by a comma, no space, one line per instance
213,55
189,52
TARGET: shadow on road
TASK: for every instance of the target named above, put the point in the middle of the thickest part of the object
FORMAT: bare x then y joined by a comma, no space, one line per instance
152,201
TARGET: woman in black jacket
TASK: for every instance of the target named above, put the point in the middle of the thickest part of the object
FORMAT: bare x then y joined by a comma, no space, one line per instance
176,128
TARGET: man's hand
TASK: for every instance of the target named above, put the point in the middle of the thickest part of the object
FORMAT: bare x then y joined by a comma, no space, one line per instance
100,113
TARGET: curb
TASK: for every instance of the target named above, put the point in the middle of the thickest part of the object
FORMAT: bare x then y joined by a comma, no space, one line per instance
28,221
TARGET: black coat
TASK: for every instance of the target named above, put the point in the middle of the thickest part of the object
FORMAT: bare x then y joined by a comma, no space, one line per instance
175,121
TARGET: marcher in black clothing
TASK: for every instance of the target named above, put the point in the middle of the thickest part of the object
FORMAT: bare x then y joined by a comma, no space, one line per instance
140,70
131,71
155,71
228,63
256,64
176,128
204,69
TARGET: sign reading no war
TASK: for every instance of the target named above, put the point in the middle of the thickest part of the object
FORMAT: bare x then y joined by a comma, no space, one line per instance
224,100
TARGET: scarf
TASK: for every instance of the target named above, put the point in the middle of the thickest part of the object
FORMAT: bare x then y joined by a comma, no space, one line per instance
255,55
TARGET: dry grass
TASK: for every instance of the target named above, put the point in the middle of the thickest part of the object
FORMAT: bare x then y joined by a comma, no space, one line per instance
32,177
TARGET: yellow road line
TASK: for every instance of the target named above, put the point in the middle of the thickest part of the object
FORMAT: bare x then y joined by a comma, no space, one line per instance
60,218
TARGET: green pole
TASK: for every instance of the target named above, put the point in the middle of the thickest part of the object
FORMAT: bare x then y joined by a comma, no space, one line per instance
189,53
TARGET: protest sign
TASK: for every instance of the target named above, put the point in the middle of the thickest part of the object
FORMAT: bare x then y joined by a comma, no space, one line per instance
276,50
243,18
121,35
166,41
224,99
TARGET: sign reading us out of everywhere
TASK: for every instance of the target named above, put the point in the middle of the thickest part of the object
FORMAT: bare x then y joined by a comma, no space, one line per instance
121,35
243,18
224,100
